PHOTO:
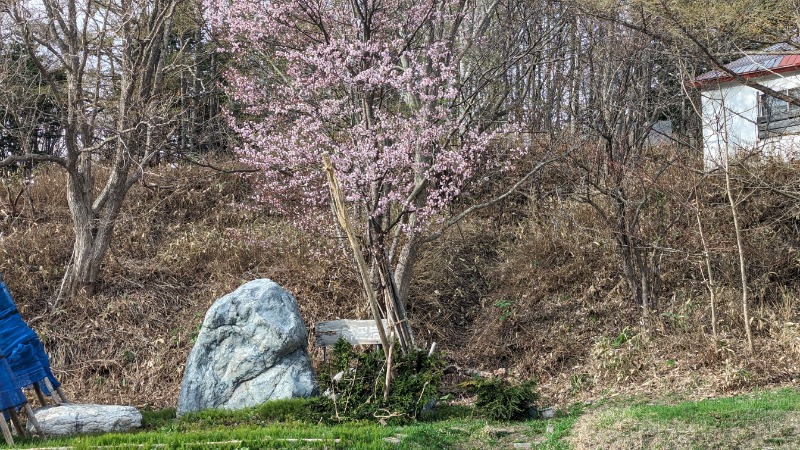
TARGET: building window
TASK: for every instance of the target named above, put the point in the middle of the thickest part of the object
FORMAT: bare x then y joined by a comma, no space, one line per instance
777,117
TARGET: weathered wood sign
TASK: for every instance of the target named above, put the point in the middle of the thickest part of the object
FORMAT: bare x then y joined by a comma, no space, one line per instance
356,332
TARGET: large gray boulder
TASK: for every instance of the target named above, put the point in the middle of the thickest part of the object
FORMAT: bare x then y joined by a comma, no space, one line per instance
75,418
251,348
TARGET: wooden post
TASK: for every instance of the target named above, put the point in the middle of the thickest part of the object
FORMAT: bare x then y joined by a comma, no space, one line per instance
389,368
15,420
397,318
52,390
32,419
39,394
344,222
62,395
6,431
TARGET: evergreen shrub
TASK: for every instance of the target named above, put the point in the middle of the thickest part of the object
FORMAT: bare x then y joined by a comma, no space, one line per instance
500,399
354,384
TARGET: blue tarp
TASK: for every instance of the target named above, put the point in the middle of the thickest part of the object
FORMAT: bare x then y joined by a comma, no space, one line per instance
24,351
11,395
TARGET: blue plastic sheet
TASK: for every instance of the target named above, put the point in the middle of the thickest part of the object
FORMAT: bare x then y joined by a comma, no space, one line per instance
24,363
24,351
7,306
10,394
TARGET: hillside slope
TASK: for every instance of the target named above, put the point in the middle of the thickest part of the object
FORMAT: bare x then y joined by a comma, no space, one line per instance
533,285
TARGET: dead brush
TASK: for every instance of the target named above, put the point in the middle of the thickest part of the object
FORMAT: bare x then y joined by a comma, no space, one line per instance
183,240
551,288
451,284
784,322
622,359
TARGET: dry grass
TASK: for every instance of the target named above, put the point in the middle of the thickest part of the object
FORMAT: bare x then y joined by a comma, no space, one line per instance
182,241
534,287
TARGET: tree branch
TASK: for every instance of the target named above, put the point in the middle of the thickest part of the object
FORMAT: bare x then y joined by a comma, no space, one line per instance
33,157
521,182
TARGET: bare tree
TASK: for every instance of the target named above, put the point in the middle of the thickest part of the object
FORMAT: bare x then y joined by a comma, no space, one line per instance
104,65
711,33
28,118
625,91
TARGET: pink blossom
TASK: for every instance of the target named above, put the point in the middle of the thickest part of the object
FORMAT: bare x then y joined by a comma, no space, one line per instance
371,88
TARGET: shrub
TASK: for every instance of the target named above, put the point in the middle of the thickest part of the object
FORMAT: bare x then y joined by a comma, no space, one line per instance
355,383
499,399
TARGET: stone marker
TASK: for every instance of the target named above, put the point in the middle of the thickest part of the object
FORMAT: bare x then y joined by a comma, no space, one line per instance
76,418
251,348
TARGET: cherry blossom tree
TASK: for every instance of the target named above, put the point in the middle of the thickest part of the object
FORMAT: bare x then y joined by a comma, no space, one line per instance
395,92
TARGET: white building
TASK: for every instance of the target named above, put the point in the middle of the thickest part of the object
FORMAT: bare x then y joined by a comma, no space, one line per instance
740,119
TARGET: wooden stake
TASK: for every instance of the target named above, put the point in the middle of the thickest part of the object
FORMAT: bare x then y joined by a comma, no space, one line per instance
15,420
6,431
32,419
394,308
62,395
344,222
39,394
52,390
389,368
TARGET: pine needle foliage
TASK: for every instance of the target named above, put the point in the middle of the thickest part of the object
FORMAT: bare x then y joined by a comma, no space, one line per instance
499,399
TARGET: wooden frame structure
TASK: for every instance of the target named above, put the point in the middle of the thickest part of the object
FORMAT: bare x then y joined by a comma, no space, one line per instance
58,398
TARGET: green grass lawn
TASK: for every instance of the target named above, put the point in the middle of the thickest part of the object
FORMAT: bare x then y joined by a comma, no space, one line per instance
276,425
769,419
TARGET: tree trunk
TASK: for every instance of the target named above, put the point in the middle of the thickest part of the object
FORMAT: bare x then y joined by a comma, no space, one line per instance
740,250
81,275
93,233
115,122
404,267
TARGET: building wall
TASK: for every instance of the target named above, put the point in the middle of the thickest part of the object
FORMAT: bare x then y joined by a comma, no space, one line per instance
730,111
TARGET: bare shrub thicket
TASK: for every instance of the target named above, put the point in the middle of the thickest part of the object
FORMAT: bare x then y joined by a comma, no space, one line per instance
562,311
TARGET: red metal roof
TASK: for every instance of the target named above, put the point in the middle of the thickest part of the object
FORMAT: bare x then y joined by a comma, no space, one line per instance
751,66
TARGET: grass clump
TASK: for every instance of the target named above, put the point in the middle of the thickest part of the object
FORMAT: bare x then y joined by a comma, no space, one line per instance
723,413
157,418
290,410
